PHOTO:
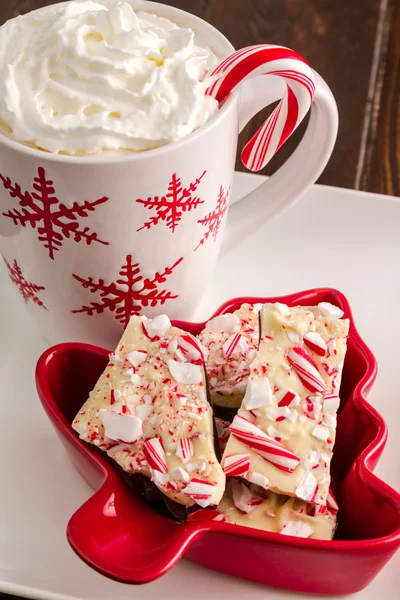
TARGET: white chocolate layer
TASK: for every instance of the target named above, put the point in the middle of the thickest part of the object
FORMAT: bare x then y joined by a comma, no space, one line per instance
227,365
137,397
292,412
276,513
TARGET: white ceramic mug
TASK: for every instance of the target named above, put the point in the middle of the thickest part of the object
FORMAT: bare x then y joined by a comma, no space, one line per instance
73,229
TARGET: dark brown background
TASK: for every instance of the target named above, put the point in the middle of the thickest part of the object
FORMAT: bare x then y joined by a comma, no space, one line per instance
355,45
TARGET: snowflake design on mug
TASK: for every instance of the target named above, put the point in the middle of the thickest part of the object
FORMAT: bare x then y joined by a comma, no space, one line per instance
171,206
27,289
42,209
213,220
129,293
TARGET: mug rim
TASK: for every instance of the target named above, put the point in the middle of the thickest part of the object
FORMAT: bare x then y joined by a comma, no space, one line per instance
200,25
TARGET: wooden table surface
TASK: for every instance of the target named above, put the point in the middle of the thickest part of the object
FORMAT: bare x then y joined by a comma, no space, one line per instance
354,45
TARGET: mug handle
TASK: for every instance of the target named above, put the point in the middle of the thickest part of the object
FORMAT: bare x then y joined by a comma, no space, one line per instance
297,174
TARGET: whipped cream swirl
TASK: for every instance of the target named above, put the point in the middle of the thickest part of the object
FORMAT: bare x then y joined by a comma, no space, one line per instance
82,78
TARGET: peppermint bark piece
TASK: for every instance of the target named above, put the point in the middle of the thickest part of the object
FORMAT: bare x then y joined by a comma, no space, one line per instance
287,420
149,411
232,341
248,506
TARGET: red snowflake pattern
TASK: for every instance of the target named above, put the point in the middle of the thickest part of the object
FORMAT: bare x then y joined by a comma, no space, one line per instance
214,219
38,209
27,289
170,208
129,294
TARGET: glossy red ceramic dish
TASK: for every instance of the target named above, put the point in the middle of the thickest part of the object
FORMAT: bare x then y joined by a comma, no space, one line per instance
119,535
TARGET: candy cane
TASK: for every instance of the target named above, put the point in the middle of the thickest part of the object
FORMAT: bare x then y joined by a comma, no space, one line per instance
262,444
202,492
155,455
237,465
266,59
306,369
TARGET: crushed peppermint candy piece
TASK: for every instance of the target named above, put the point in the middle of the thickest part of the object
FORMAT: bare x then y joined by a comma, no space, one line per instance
192,467
283,309
135,379
306,369
115,358
274,433
297,529
143,411
330,421
155,454
136,357
315,343
330,310
332,346
132,399
119,407
321,432
124,428
241,386
81,428
278,413
259,479
185,373
185,450
262,444
246,414
258,393
326,455
331,403
331,502
287,397
192,350
172,346
243,498
114,396
158,478
157,327
250,355
228,323
235,345
307,488
202,492
293,336
236,465
293,416
179,355
179,401
180,474
312,460
313,406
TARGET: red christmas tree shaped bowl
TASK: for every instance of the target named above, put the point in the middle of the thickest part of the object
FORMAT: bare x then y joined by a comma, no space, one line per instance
119,535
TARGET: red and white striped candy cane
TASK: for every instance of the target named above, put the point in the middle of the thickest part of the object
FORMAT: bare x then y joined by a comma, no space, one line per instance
267,59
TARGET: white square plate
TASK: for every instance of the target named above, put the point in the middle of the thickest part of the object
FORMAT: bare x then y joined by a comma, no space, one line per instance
332,237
